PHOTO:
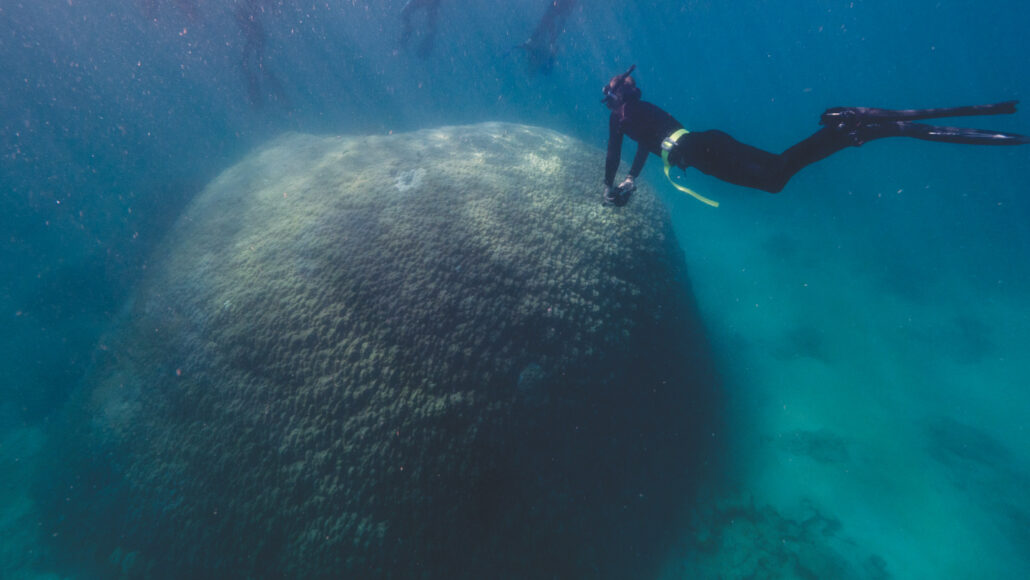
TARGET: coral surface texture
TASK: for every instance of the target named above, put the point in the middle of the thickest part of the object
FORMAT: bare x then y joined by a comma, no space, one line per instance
423,355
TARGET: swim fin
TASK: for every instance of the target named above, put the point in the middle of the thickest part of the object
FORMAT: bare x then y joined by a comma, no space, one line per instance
962,135
844,115
863,124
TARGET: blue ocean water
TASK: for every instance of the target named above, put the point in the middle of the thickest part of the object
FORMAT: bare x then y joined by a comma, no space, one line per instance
871,319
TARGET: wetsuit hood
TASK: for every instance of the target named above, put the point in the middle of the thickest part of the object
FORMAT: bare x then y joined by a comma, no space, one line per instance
621,89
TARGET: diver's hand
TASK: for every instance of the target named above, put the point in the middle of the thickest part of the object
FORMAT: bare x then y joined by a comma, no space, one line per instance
615,196
619,195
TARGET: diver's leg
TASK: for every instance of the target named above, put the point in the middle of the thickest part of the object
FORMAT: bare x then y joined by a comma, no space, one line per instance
818,146
717,154
428,32
248,62
857,131
407,26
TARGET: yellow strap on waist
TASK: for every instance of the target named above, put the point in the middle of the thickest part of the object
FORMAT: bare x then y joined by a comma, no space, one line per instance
667,146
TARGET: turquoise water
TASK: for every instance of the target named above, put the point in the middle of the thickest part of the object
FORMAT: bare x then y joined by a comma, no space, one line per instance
871,319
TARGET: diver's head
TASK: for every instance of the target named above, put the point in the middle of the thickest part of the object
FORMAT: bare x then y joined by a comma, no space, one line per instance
621,89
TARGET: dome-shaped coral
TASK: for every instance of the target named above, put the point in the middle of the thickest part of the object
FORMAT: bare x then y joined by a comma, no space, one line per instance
430,355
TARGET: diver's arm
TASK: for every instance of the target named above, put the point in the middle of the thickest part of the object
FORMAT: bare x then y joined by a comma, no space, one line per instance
611,164
638,161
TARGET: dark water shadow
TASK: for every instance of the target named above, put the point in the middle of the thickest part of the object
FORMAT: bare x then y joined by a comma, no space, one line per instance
984,468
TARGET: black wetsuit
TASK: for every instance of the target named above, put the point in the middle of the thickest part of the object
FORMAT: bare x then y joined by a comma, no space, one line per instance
717,154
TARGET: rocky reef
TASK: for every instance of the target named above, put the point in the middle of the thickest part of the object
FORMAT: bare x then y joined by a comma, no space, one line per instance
427,355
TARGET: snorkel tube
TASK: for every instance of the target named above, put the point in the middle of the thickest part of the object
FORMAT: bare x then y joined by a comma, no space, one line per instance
614,84
623,76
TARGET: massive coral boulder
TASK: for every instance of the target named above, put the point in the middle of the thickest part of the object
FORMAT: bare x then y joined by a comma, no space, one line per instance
429,355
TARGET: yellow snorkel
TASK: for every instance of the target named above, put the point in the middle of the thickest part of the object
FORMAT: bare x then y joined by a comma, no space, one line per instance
667,146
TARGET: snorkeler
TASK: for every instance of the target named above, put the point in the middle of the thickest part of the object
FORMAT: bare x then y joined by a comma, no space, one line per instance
432,9
252,62
542,46
717,154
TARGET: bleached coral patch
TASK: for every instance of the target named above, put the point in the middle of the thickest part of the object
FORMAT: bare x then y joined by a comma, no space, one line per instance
409,180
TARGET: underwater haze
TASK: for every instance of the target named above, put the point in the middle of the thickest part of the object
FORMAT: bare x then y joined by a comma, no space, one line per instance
869,325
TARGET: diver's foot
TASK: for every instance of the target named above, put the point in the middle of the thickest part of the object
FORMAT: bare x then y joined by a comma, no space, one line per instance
842,118
854,128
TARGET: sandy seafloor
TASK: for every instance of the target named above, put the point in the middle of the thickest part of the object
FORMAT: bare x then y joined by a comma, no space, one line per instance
877,361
